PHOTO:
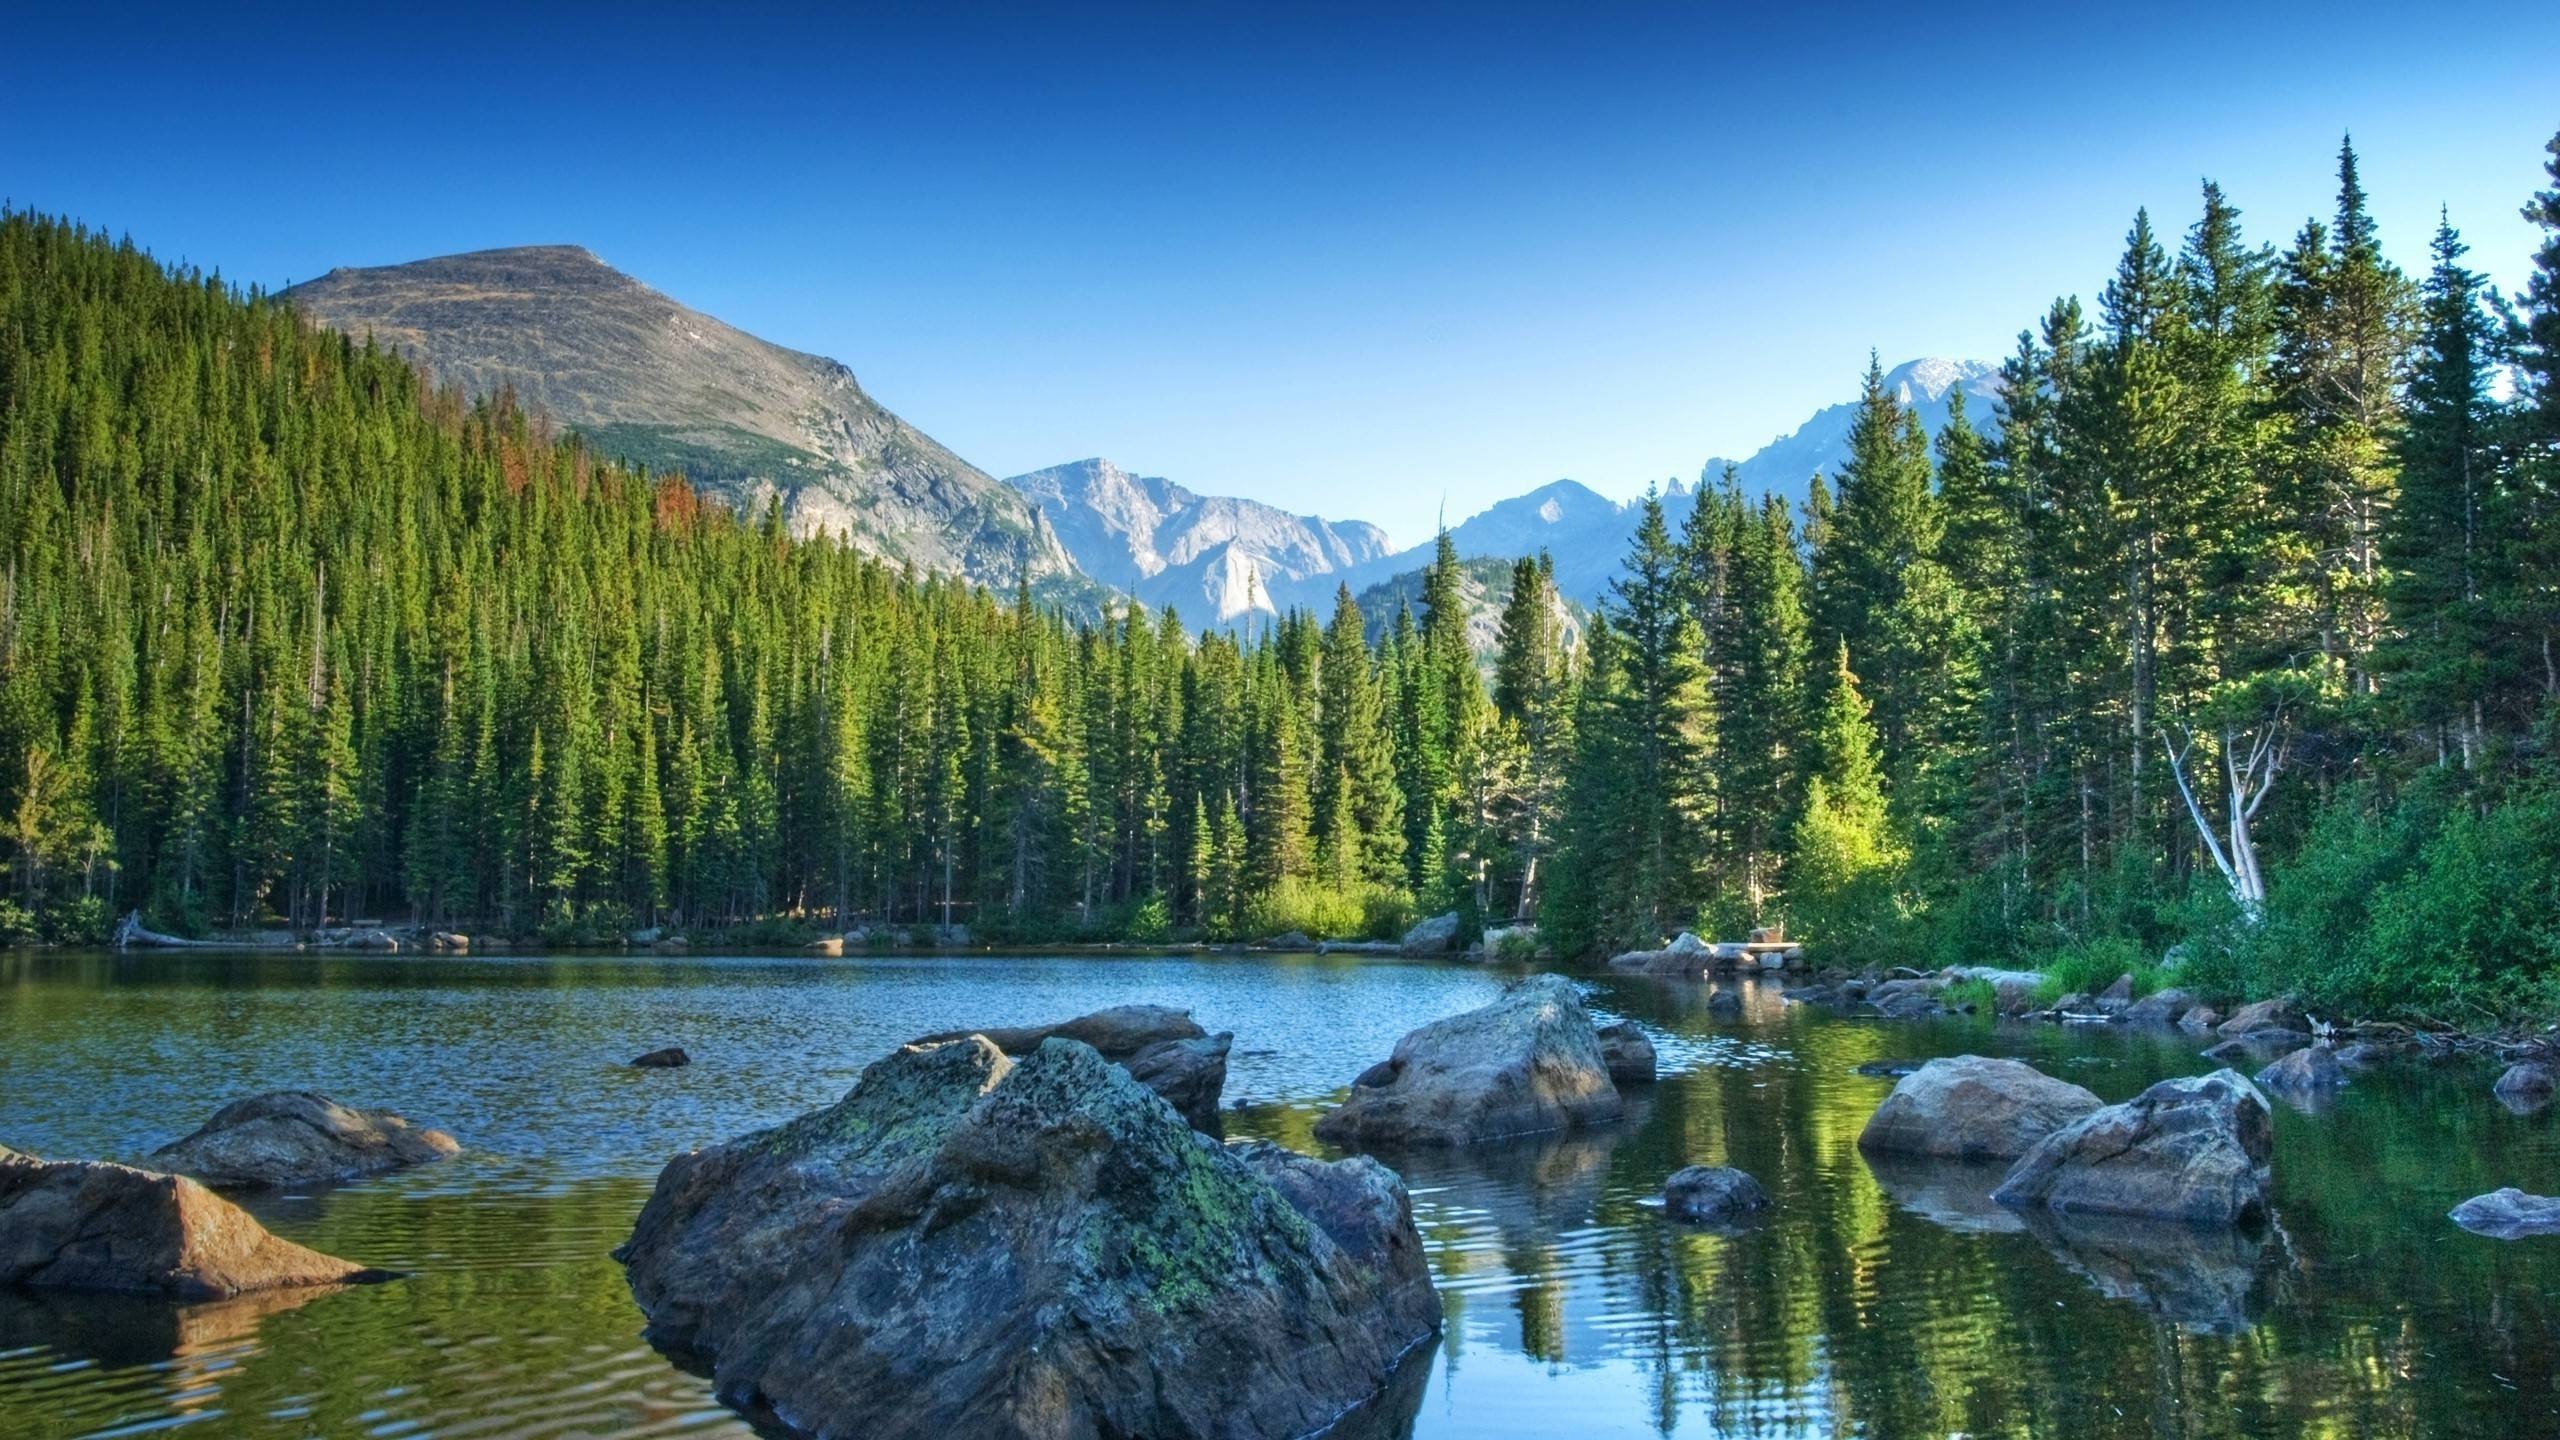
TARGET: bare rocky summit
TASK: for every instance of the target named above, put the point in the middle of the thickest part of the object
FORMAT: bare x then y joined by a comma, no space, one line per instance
648,381
1213,557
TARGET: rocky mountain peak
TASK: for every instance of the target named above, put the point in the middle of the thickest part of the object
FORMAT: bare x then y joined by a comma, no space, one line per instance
654,383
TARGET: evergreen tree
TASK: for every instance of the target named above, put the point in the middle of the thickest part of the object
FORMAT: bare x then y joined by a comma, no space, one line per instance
2443,566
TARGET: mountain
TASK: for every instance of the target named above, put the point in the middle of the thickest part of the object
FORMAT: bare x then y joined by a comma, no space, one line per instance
649,381
1784,465
1587,533
1485,585
1213,557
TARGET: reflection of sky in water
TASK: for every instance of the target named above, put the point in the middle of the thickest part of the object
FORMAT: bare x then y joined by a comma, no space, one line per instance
1885,1300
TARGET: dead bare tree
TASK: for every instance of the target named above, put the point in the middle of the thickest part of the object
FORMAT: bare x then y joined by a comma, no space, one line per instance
2252,758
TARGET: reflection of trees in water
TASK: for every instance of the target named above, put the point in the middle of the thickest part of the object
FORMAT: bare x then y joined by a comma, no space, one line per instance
1893,1302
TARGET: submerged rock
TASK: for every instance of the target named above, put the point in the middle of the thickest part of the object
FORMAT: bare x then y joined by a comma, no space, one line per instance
1712,1194
2310,1069
296,1137
1970,1107
1529,1062
1890,1069
1163,1047
2509,1214
671,1058
1725,1004
93,1225
1627,1053
2195,1150
2199,1019
966,1245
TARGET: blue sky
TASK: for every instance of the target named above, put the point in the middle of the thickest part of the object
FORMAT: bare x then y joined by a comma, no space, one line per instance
1355,259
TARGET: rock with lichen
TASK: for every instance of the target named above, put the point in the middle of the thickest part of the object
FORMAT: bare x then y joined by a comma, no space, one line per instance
970,1245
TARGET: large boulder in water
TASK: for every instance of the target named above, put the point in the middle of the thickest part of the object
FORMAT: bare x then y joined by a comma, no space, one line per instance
296,1137
1189,1074
2526,1086
1118,1033
2195,1150
1528,1063
1435,936
1971,1107
2160,1007
92,1225
1164,1047
2311,1070
965,1245
2264,1017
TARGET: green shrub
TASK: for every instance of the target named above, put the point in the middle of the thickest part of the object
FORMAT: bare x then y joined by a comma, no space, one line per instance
1326,912
17,927
2092,965
1994,919
1386,912
1516,945
2433,906
1981,996
1150,921
79,921
583,926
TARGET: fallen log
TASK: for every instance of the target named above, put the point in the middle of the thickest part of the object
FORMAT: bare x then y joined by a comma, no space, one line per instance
130,931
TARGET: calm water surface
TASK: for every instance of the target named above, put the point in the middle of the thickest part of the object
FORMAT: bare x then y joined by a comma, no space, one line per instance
1877,1301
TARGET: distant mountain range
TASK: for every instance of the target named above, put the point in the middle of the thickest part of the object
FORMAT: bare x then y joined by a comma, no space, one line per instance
649,381
1587,533
1212,557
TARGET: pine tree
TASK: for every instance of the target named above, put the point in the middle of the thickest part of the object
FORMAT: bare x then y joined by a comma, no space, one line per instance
1845,866
2443,566
2531,513
1758,724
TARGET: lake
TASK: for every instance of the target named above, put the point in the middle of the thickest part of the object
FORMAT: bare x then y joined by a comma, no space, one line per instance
1883,1301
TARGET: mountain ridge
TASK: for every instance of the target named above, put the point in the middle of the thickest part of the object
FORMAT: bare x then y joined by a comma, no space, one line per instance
1165,544
652,382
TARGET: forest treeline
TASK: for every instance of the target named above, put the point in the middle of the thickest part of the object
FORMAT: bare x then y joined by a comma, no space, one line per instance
2230,628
